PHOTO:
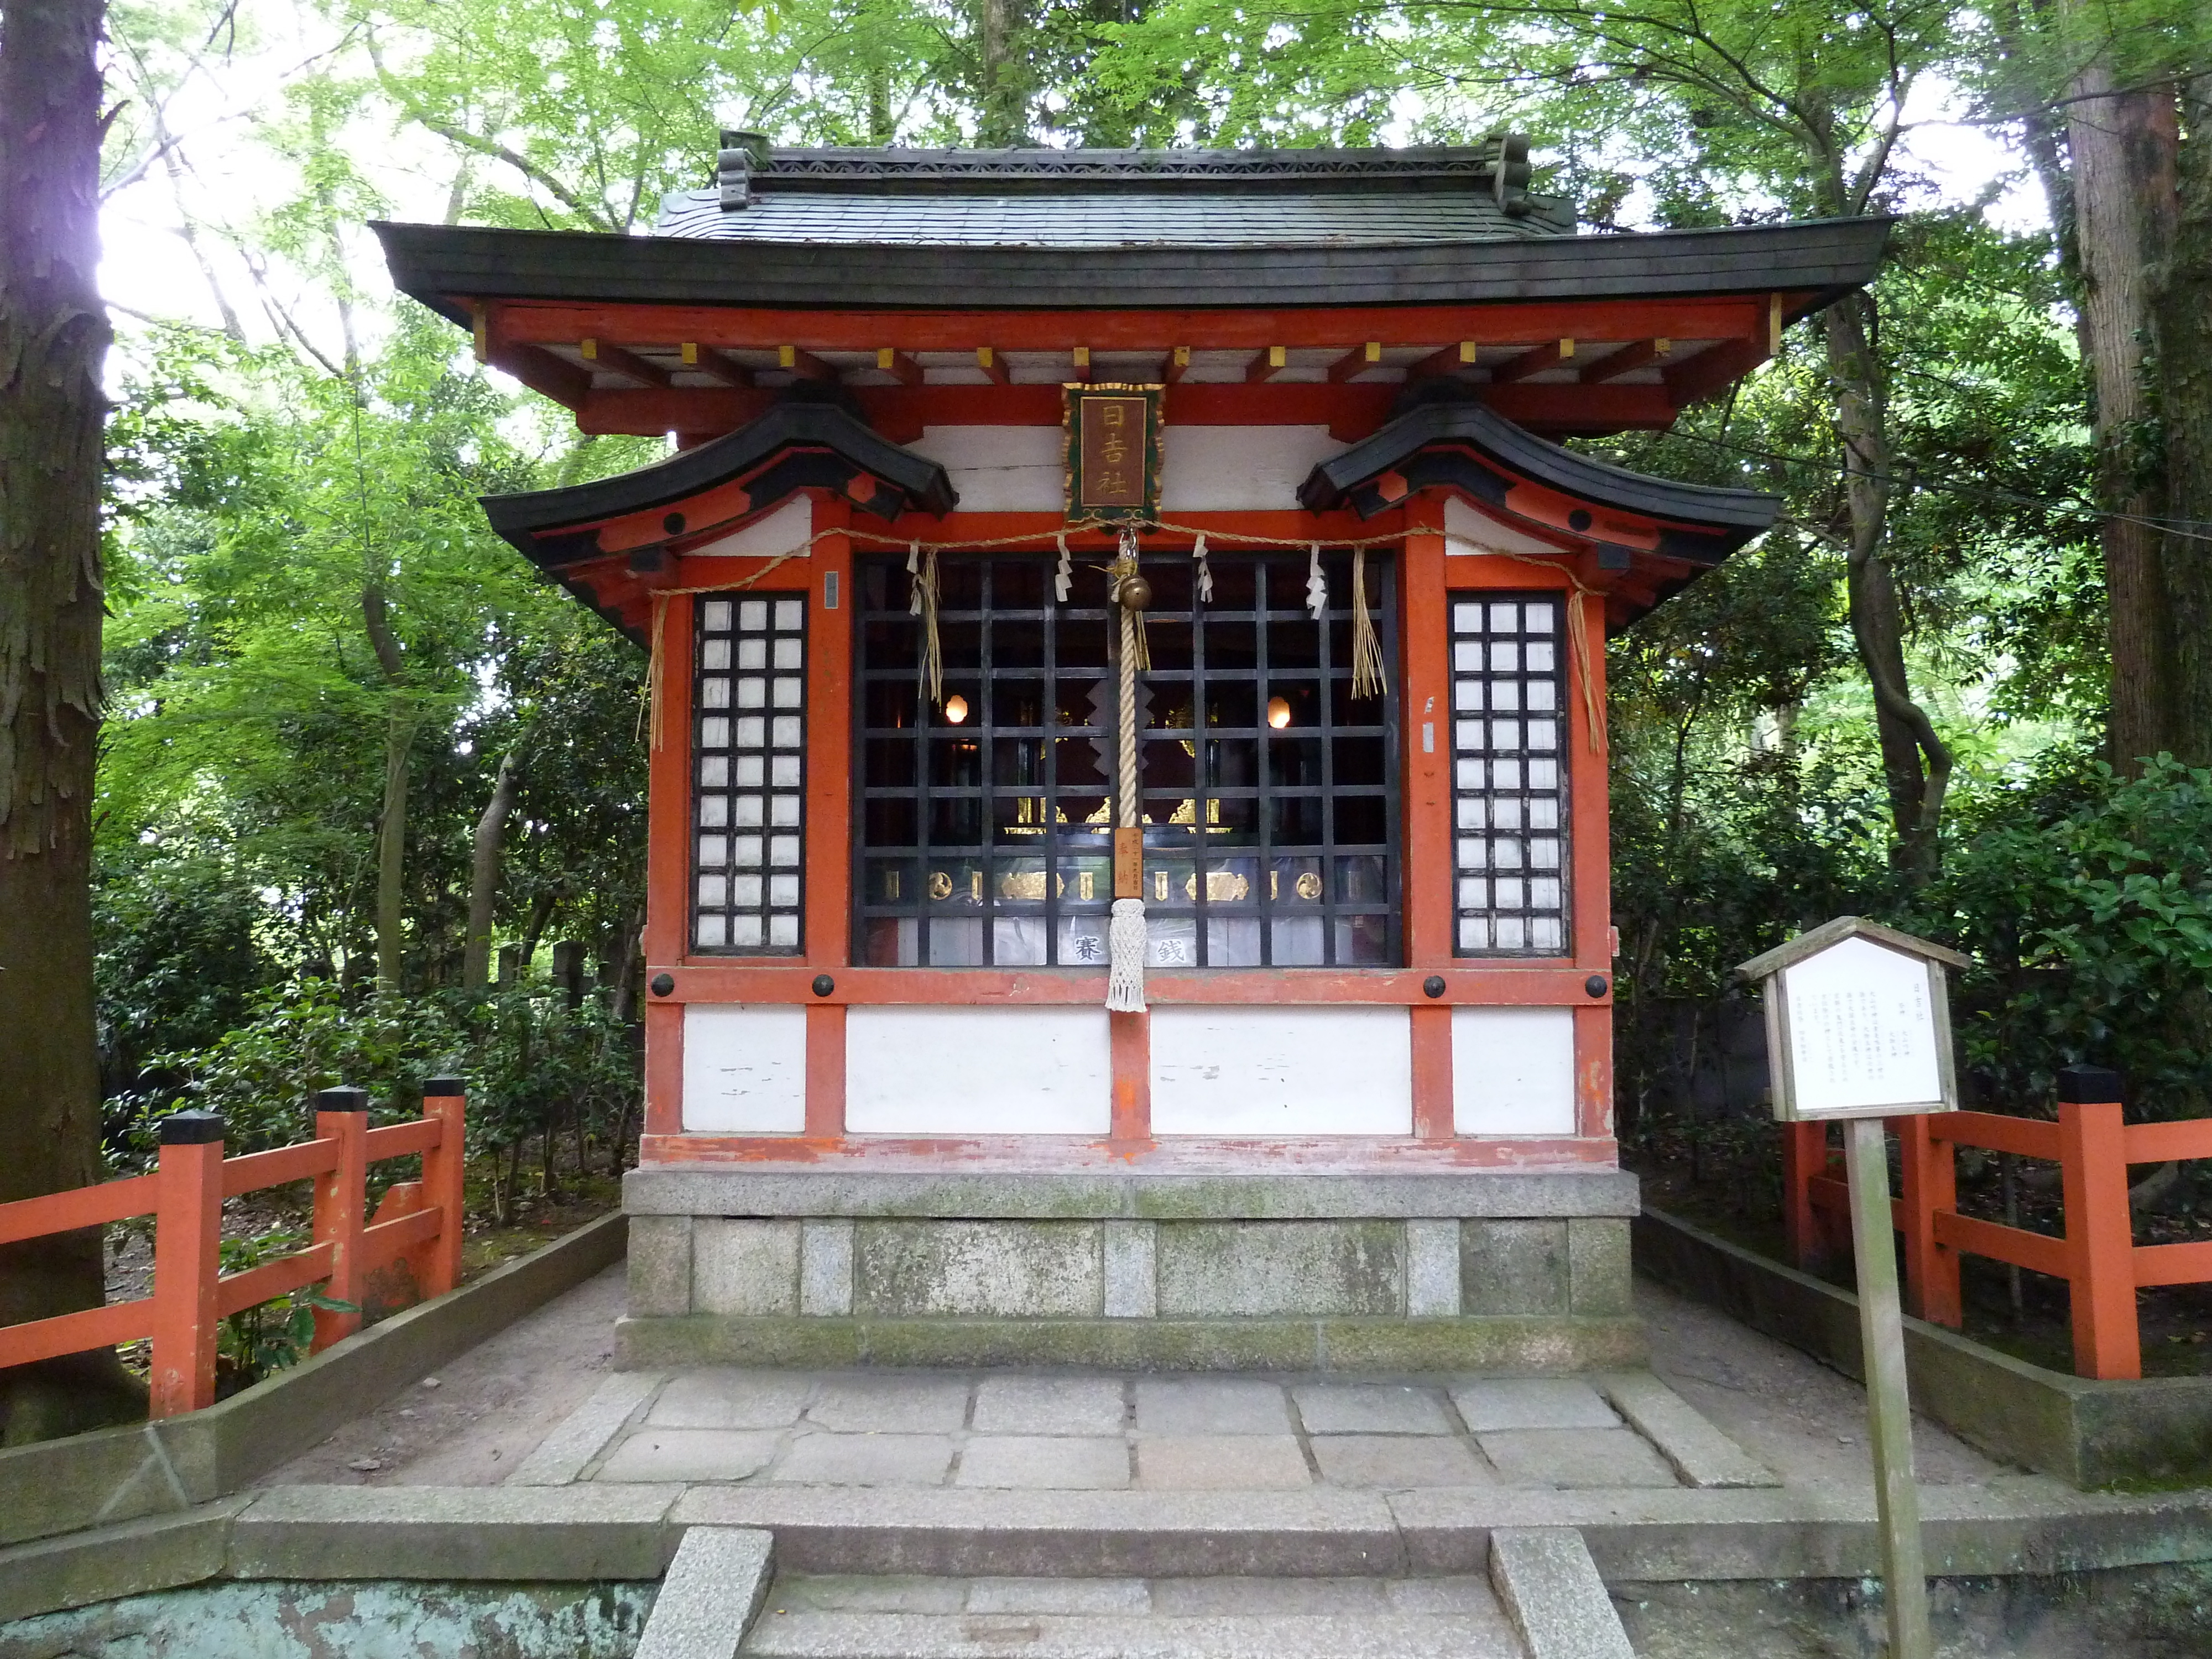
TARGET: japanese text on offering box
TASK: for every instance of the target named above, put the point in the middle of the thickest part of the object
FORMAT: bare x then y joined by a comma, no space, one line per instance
1861,1031
1112,432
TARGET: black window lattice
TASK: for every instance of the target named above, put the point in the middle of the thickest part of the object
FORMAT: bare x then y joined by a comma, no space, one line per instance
1509,776
986,841
749,744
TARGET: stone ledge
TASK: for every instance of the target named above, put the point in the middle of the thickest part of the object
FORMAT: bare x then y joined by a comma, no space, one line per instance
154,1553
519,1533
1287,1194
1527,1345
113,1475
2157,1432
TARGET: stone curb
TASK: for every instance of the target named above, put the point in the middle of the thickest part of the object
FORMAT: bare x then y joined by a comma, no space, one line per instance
455,1531
154,1553
1562,1344
713,1589
1550,1588
113,1475
562,1455
1700,1453
2157,1432
1197,1194
2024,1525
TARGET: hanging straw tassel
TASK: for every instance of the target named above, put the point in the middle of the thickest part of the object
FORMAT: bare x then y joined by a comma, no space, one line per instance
1367,674
1204,570
929,673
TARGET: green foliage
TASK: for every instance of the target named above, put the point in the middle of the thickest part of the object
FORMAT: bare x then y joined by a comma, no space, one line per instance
2086,901
274,1335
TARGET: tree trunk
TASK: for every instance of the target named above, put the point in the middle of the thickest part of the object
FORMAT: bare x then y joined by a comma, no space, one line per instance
2183,320
2121,144
1915,760
999,122
484,876
53,337
391,822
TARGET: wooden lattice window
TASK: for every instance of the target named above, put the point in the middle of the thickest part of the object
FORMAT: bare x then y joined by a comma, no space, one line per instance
1509,775
749,798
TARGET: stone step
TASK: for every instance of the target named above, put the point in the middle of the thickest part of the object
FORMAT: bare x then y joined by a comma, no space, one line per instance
916,1618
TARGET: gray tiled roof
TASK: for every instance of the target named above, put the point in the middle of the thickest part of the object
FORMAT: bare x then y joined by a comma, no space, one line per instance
1078,215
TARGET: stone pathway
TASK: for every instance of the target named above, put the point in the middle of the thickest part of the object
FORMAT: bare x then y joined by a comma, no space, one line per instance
1107,1433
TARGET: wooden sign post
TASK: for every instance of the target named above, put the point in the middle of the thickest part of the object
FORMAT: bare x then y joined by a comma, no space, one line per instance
1858,1027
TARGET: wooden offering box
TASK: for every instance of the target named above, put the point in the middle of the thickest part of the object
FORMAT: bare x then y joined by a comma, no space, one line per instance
932,409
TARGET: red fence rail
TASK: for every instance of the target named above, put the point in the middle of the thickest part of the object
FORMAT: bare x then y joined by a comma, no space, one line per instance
419,1223
2096,1255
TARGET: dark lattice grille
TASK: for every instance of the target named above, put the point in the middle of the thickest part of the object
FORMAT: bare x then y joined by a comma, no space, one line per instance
1509,779
749,731
985,841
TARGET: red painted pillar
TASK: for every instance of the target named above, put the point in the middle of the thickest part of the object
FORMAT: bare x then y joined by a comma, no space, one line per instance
187,1261
341,1206
1928,1185
1804,1155
2099,1239
444,1170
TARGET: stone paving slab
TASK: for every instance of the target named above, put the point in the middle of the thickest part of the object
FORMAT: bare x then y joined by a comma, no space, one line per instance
1536,1402
1370,1408
1221,1462
1090,1432
1064,1462
1398,1463
1575,1457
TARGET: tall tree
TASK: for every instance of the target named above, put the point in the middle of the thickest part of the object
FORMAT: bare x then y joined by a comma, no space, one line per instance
53,339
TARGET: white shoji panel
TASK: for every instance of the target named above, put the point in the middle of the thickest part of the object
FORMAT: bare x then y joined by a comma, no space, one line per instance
1509,776
748,801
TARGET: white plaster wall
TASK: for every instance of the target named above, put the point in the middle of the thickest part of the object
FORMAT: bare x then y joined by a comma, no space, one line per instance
1000,468
1469,529
1043,1071
786,528
745,1069
1223,469
1513,1070
1282,1071
1203,469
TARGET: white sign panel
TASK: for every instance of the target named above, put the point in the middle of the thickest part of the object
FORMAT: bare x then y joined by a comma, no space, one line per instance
1864,1034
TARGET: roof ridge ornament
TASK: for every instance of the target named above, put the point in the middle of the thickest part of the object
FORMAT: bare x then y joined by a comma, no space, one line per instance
741,153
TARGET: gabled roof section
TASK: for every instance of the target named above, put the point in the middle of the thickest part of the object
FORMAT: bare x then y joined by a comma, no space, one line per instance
595,538
1814,941
1666,533
1118,197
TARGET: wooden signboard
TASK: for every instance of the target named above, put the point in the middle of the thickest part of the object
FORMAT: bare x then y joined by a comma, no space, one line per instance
1858,1027
1113,452
1858,1023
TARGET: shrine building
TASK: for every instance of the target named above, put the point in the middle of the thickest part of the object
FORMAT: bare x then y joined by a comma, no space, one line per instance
1153,578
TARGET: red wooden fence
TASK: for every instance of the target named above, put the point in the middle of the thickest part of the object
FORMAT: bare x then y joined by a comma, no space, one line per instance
2096,1255
419,1222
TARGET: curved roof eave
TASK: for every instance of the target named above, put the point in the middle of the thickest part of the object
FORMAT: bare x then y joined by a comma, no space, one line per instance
919,482
1815,259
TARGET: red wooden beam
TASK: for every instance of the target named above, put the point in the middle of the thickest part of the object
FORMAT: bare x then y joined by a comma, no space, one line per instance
1357,360
1626,361
1082,356
899,365
1269,363
1714,369
798,360
1177,366
988,361
1535,360
622,360
1448,360
547,323
716,366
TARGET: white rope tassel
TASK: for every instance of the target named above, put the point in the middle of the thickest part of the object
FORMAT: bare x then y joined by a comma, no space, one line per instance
1204,570
1063,579
1317,584
1125,935
1124,959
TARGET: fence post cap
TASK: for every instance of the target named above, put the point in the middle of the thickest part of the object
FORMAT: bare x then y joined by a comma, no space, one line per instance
443,1086
2085,1085
342,1099
192,1128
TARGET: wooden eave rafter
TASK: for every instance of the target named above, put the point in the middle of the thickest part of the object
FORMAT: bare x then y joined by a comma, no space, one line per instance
1597,399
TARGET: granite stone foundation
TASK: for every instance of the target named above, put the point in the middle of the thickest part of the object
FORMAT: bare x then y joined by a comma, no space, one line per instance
1475,1271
